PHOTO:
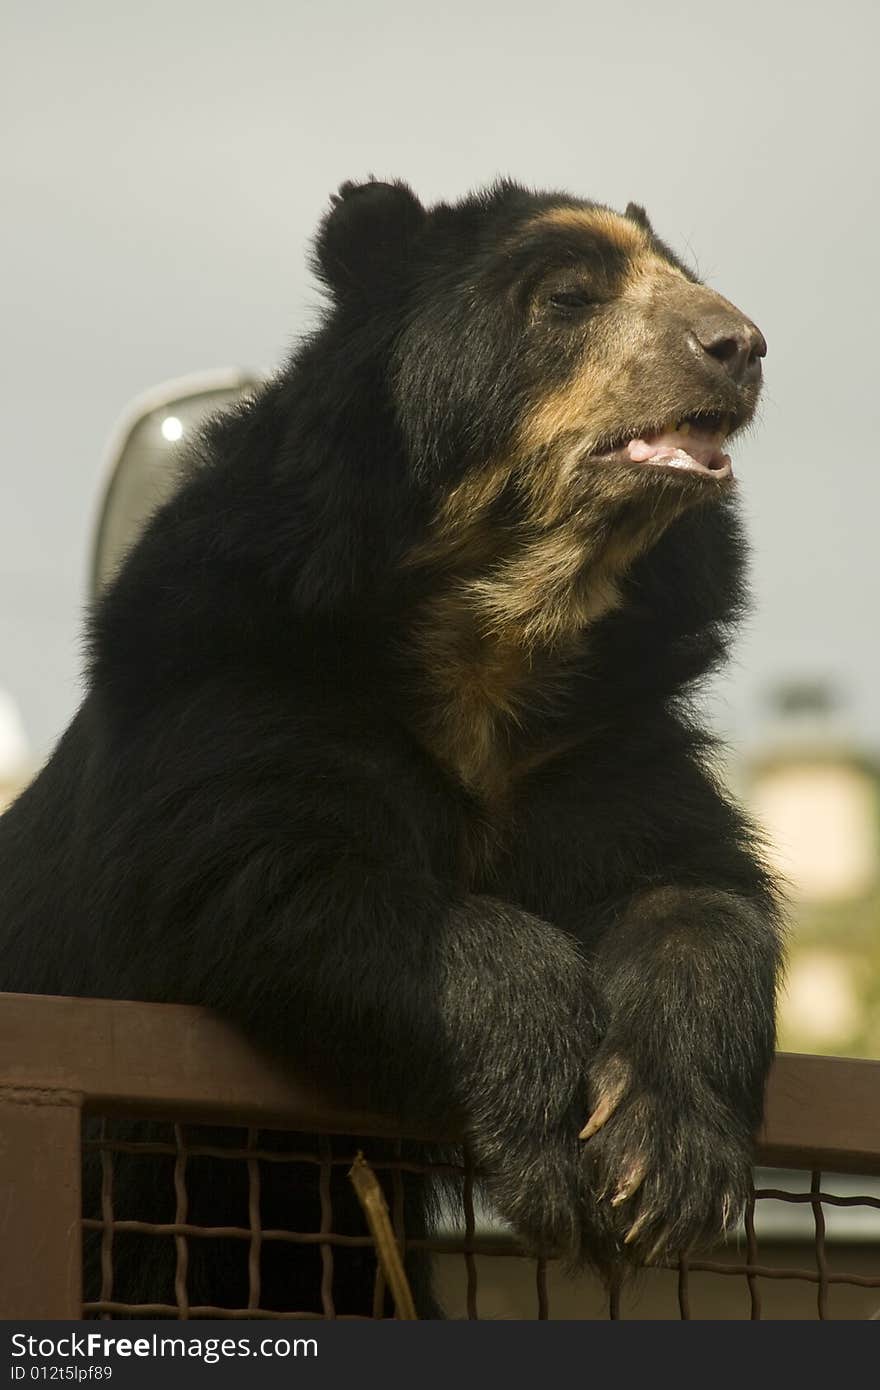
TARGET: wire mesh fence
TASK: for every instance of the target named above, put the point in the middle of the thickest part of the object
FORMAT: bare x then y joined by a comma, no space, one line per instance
829,1269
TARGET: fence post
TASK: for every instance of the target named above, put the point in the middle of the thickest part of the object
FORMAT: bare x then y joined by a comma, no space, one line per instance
40,1204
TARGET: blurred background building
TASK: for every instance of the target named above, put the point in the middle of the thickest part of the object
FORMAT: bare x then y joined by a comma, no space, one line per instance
816,792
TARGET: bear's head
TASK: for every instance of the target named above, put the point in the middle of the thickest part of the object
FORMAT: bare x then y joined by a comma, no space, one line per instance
560,385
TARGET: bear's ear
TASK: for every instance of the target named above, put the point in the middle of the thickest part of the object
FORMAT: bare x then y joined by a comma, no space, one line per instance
636,213
366,236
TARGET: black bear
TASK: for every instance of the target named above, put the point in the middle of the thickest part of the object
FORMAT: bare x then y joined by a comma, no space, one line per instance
386,752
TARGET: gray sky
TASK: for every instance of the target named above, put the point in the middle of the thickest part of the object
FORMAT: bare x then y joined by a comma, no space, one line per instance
164,166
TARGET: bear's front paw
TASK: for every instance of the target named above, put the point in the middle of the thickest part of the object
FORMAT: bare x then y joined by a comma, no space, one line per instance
669,1166
544,1196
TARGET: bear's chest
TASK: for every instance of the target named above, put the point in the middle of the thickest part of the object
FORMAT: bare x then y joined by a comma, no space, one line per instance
549,843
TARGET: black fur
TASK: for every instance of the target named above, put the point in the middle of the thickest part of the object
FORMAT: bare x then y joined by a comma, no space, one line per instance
244,814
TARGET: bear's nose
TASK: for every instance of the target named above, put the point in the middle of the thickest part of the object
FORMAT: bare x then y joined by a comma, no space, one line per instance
733,342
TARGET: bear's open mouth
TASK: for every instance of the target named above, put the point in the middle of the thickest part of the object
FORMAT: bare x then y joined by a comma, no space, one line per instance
691,445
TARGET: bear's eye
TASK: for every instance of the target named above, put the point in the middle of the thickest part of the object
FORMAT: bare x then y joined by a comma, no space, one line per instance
571,299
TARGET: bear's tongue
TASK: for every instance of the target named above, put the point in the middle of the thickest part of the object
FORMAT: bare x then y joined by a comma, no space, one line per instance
698,451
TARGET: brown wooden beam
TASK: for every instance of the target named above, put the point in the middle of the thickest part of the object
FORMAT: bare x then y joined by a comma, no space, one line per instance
175,1060
40,1204
822,1112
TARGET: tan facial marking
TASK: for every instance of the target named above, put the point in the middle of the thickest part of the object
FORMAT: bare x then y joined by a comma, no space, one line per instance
623,234
591,403
460,534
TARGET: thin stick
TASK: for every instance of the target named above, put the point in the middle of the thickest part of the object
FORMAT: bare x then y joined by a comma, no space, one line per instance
371,1198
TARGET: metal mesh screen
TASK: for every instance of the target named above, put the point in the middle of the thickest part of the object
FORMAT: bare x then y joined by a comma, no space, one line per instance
809,1246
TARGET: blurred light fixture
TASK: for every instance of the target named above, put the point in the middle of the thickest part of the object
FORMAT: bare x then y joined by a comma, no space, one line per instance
15,756
141,471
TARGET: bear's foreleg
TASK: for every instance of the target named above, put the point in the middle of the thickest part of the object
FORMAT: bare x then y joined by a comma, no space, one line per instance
689,976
